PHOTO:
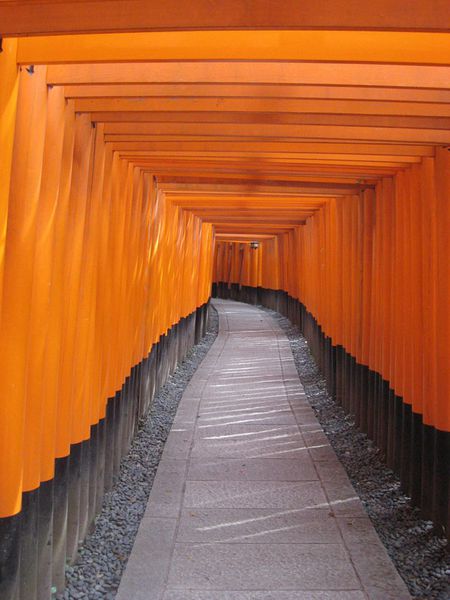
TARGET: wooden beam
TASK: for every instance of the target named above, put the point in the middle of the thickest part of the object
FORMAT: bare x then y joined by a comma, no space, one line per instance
222,201
383,47
355,159
261,73
351,173
69,16
170,170
277,212
430,122
309,170
238,191
350,170
253,220
212,184
242,237
383,168
219,91
311,147
261,105
288,133
243,227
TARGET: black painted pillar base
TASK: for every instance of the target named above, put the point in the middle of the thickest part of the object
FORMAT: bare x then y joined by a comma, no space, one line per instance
60,514
10,529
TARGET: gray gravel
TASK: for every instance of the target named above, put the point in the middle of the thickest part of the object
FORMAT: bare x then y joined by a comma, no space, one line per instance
104,554
419,552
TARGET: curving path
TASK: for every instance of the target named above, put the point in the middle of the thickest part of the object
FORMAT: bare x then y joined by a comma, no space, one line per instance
250,501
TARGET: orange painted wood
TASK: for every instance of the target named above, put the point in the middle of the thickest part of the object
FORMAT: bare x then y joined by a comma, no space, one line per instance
261,73
246,45
218,91
123,185
8,108
15,417
68,16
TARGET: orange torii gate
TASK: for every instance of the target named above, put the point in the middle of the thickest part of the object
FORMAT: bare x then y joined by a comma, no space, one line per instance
142,149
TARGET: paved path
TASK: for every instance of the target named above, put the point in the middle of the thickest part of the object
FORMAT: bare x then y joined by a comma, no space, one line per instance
250,501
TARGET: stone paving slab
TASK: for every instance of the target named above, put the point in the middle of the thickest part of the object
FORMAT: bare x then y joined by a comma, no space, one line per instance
253,526
259,416
255,494
248,440
250,501
234,595
261,566
252,469
168,489
147,568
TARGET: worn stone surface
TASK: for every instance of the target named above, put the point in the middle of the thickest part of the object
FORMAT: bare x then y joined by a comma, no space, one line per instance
261,566
264,509
252,469
418,550
267,595
243,525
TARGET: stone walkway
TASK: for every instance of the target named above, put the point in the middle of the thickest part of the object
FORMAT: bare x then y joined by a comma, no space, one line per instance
250,501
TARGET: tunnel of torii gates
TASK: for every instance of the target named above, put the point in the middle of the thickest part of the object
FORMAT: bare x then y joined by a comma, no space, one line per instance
144,146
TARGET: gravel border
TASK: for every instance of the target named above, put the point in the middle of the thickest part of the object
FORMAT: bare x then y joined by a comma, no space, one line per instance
104,554
419,552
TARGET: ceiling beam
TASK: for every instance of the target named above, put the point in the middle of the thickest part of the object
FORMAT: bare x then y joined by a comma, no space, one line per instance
219,91
306,147
290,134
261,73
262,185
242,237
70,16
383,47
423,122
262,105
